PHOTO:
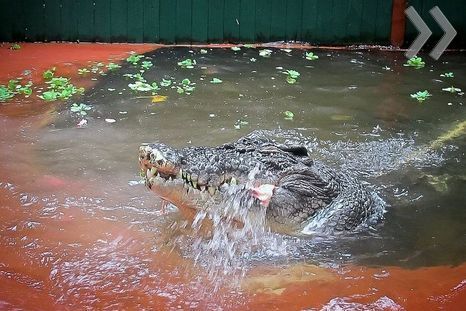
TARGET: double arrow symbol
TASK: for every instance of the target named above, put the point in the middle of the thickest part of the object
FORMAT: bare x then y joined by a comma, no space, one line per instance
425,32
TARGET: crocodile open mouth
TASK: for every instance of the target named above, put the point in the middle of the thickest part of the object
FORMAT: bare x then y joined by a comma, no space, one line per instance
165,177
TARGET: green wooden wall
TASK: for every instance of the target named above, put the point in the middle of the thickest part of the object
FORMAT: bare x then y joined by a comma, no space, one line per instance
198,21
185,21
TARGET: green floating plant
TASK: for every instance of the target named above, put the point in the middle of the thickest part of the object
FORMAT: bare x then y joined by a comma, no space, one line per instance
49,73
134,58
421,96
135,76
415,62
80,109
311,56
288,115
235,48
448,75
113,66
166,82
185,87
240,123
203,51
452,89
15,87
216,81
15,47
83,71
60,88
291,76
146,64
5,93
144,87
249,46
187,63
265,53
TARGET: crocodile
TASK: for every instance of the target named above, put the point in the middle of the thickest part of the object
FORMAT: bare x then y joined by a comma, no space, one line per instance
298,193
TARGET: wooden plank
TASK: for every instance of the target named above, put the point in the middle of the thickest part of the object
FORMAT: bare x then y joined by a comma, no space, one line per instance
136,21
53,20
309,22
215,26
151,21
118,20
167,21
294,19
383,21
231,18
368,28
278,20
17,29
340,21
86,20
69,20
183,21
324,22
263,20
6,18
34,20
102,21
247,15
354,13
200,19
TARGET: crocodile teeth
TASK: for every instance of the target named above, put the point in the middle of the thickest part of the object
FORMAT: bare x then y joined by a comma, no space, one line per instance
202,188
233,181
188,177
194,183
184,175
180,173
212,190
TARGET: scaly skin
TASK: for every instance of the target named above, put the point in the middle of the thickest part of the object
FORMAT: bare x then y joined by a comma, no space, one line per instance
295,190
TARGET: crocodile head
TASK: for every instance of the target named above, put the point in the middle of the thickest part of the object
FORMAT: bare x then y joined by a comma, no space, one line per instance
282,178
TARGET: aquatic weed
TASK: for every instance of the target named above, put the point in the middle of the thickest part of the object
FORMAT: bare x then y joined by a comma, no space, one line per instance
80,109
291,76
265,53
448,75
415,62
134,58
288,115
311,56
15,47
187,63
421,96
452,89
216,81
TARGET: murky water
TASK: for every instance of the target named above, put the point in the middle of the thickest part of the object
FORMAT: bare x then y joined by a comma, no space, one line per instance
87,226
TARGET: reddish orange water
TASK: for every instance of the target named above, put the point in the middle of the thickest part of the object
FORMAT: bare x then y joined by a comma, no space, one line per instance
33,245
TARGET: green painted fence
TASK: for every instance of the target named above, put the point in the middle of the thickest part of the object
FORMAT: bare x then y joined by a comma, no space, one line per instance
199,21
185,21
